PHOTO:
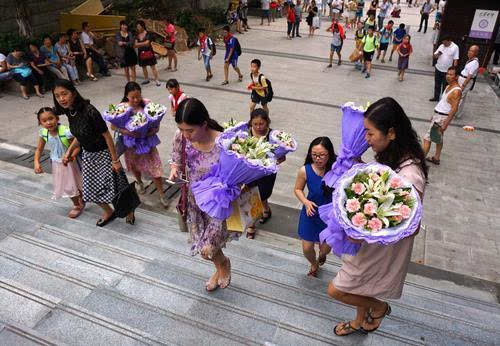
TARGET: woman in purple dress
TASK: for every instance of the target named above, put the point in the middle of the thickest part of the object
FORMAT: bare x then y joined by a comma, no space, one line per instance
197,133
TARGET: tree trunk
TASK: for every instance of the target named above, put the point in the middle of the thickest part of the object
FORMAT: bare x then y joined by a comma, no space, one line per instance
23,18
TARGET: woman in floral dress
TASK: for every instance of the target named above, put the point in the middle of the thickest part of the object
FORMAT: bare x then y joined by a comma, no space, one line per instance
209,235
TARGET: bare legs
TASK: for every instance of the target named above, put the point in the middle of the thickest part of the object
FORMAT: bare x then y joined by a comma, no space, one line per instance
172,57
427,148
130,73
222,276
264,107
226,72
310,254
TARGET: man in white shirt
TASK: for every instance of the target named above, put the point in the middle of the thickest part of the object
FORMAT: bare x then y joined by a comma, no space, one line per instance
447,56
87,38
425,11
467,77
265,12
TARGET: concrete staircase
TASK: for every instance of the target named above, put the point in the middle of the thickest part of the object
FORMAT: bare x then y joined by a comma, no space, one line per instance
66,281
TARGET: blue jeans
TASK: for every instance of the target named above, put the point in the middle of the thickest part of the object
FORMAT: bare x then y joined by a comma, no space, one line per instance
206,61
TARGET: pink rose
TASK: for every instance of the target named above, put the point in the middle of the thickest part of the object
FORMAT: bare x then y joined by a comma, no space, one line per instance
358,188
397,218
369,209
352,205
405,211
374,176
396,182
359,220
375,224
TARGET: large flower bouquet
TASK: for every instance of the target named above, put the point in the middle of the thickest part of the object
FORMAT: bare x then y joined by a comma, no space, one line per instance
352,147
284,142
371,203
118,115
233,126
243,159
155,113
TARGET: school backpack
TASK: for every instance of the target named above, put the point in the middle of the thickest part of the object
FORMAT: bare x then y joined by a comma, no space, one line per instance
212,46
237,47
61,132
270,92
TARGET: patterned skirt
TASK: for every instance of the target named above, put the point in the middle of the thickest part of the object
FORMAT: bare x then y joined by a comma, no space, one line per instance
98,185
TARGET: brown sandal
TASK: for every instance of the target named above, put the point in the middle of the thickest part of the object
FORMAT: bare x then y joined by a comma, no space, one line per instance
250,235
369,318
313,273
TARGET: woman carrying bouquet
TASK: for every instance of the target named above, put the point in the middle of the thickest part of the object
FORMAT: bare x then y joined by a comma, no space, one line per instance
149,163
99,154
378,271
319,160
197,133
259,127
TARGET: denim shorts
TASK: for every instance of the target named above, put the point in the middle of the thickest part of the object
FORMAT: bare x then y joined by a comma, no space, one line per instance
206,60
334,48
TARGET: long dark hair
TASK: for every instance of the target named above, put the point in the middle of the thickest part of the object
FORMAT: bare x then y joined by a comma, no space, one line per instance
192,111
385,114
132,86
79,102
327,144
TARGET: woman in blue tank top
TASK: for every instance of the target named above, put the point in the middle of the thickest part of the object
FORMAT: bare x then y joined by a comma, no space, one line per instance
319,160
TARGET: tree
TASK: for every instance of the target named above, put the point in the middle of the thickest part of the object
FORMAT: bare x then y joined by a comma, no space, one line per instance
23,19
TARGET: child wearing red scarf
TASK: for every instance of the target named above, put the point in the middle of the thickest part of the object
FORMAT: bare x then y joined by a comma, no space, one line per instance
290,19
176,95
231,57
205,50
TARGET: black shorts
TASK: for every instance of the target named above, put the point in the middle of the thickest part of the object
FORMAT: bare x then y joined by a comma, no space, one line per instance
368,56
384,46
256,98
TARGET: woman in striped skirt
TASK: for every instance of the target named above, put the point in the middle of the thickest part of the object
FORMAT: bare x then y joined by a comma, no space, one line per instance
99,155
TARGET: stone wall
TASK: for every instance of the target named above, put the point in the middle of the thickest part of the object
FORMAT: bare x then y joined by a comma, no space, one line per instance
45,14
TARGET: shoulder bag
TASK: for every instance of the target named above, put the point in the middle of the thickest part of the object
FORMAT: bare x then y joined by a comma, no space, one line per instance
182,204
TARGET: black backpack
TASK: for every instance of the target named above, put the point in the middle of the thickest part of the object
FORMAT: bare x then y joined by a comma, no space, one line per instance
237,47
269,92
212,46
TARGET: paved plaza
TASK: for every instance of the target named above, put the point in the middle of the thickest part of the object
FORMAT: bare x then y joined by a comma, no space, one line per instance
461,204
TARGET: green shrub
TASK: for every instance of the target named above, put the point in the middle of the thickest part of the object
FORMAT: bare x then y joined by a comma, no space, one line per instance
10,40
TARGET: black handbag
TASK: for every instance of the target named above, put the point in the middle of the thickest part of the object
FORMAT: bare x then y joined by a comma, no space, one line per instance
126,199
182,203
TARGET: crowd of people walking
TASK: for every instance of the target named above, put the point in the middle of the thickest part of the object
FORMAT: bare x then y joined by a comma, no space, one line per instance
376,272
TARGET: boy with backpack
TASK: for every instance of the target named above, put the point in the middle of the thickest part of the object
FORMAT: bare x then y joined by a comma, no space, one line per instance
370,44
206,48
262,90
233,51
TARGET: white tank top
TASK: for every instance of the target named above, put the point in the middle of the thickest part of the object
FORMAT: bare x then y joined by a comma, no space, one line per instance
444,106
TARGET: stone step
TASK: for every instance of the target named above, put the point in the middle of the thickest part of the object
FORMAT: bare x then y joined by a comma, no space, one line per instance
265,254
15,334
63,321
168,273
84,240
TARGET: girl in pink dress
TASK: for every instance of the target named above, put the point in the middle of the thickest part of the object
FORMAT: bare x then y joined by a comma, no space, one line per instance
379,271
209,235
149,163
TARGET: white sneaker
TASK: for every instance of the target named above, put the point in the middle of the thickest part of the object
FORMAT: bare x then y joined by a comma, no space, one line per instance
164,201
141,190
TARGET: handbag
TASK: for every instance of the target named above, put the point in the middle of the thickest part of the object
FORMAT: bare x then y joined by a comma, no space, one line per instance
126,199
247,208
146,54
182,203
119,146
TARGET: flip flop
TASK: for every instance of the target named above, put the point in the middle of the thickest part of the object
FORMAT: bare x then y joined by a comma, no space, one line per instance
433,160
369,318
313,273
265,218
348,328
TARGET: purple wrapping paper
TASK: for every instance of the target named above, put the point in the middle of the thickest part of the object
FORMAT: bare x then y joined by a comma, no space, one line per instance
141,145
281,150
242,126
120,120
154,121
141,131
353,143
222,185
339,227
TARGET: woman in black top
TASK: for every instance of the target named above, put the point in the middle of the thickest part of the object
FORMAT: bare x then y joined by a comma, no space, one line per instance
99,155
80,52
146,54
125,51
372,9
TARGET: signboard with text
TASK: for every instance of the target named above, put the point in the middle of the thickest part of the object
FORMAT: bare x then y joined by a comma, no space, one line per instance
483,24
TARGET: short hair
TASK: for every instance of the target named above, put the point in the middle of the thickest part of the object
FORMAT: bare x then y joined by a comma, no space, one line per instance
46,36
256,62
141,23
17,48
122,22
446,38
172,83
402,25
201,30
454,69
70,32
371,27
85,24
390,22
226,28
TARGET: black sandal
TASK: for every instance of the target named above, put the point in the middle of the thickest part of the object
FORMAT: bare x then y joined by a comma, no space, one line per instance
102,223
250,235
265,218
130,221
349,329
321,260
369,318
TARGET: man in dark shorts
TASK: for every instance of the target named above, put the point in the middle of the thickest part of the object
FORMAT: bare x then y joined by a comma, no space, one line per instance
370,44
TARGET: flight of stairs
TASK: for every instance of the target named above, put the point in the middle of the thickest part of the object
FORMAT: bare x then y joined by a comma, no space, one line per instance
66,281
